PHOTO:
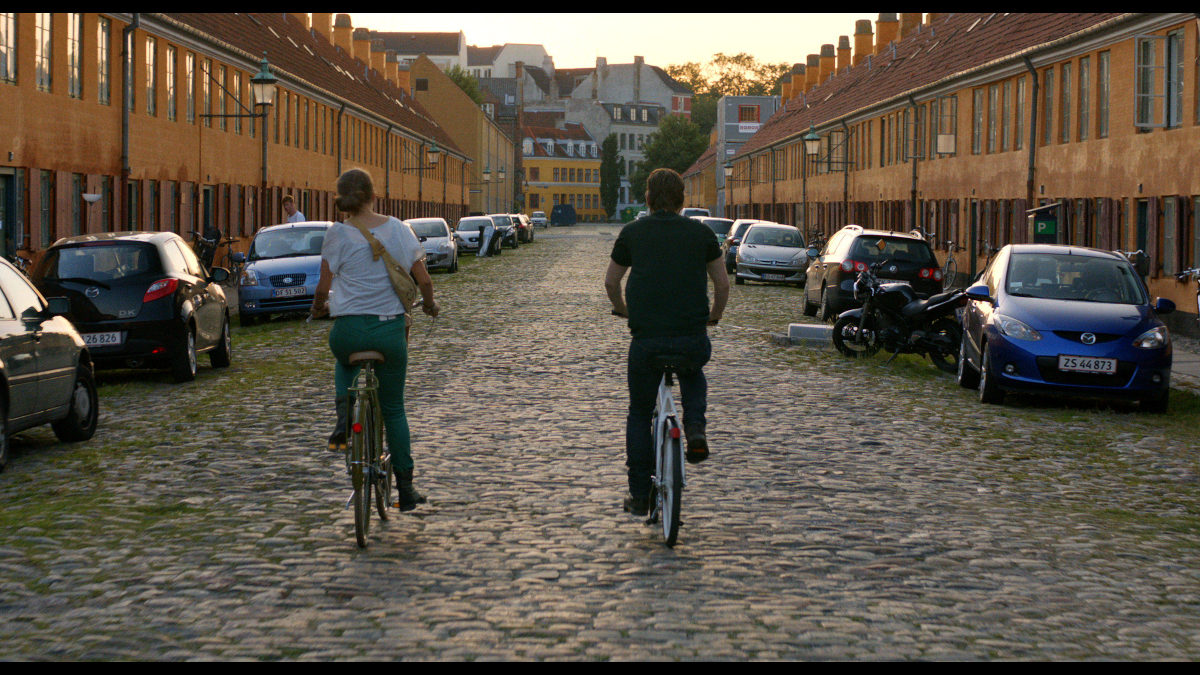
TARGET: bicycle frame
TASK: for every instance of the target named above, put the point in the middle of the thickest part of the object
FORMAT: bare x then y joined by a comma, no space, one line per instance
667,442
368,463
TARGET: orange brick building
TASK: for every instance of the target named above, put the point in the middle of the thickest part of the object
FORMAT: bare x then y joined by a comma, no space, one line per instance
959,124
176,158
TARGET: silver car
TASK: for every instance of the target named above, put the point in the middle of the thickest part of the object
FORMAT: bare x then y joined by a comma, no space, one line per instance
441,248
468,232
771,252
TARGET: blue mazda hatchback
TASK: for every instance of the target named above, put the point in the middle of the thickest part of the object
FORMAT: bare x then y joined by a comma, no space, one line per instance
1065,320
282,270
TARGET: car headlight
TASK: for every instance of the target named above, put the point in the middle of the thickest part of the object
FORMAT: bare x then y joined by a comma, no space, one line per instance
1155,338
444,247
1016,329
249,278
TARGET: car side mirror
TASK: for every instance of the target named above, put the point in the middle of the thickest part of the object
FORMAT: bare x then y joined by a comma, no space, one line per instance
812,252
980,293
219,275
238,257
1163,306
60,306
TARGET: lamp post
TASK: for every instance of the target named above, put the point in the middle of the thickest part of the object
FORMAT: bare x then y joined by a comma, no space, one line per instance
812,148
729,179
262,88
426,159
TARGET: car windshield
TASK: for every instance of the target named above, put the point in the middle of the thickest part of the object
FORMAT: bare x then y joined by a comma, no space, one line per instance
103,261
718,225
774,236
428,228
1073,277
473,225
287,242
539,214
501,221
868,249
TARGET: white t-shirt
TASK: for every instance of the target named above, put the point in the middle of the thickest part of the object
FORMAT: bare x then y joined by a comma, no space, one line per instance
360,284
296,217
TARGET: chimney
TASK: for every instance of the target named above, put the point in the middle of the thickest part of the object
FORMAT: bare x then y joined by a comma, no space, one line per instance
863,40
343,34
403,77
637,78
362,45
827,62
798,77
933,17
302,17
811,71
323,25
598,75
378,56
908,23
391,66
887,27
843,52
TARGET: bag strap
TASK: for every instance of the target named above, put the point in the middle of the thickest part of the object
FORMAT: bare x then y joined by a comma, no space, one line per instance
377,247
409,291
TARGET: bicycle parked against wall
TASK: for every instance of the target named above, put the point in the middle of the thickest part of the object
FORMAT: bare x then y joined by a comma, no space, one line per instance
1194,274
950,268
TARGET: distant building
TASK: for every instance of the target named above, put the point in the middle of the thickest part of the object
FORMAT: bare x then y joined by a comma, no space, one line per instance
443,49
562,166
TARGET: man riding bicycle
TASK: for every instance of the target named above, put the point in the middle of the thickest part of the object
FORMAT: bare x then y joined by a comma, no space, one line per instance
666,301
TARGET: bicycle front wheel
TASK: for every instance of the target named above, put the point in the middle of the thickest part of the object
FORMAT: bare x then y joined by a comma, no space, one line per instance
670,487
361,453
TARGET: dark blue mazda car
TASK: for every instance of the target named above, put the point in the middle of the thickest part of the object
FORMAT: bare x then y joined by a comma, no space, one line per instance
1065,320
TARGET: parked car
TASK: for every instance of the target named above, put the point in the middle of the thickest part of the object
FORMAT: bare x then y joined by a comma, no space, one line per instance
441,248
524,227
719,226
538,219
729,246
829,288
140,300
1065,320
506,229
45,368
562,214
771,253
692,212
469,232
281,270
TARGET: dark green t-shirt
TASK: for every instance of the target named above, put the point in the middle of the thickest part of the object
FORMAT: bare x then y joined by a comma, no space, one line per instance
667,256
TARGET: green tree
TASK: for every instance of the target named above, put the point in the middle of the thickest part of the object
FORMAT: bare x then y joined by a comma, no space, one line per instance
610,175
676,144
467,82
726,75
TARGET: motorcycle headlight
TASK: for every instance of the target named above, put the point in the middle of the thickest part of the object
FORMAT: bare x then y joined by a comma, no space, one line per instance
1155,338
249,278
1017,330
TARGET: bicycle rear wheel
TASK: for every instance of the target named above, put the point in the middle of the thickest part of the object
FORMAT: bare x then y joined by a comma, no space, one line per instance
361,453
670,488
383,483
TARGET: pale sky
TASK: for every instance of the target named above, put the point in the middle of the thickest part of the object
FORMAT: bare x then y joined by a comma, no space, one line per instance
575,40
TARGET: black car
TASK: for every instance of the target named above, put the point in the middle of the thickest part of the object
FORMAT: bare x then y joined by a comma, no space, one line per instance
829,286
506,229
562,214
45,369
140,300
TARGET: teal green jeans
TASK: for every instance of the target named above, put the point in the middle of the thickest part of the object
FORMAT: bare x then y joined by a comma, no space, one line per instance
364,332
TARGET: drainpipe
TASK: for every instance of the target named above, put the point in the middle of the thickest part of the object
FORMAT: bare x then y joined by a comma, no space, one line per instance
387,156
341,110
846,172
773,174
1032,171
127,64
912,105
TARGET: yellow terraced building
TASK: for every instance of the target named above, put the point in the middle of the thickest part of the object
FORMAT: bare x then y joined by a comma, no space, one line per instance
562,166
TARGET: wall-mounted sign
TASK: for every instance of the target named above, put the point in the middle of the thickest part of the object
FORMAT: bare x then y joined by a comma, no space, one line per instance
748,127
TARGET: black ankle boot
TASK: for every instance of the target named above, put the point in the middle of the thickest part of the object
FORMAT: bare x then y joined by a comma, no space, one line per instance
337,439
407,496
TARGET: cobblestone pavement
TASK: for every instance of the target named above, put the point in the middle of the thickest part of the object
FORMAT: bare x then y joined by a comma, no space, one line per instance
851,510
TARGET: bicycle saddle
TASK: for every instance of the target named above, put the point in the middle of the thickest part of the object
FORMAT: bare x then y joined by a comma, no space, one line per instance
362,357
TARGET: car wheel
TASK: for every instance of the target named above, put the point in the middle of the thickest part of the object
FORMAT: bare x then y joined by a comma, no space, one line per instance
825,312
221,355
810,309
3,434
183,362
968,377
989,389
83,412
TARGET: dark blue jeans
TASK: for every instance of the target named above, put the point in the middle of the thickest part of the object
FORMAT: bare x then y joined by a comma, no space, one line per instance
643,379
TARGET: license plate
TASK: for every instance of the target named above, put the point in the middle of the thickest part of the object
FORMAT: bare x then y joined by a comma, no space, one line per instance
773,277
1086,364
289,292
115,338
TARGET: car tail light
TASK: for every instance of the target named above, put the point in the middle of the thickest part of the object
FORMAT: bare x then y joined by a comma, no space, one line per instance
160,289
937,274
849,265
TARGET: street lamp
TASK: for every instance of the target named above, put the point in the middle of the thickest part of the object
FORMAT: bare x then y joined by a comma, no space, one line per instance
262,89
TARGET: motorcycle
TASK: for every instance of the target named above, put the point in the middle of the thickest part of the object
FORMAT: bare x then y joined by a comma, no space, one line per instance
895,318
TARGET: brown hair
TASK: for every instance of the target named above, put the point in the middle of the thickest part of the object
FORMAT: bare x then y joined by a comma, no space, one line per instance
355,191
664,190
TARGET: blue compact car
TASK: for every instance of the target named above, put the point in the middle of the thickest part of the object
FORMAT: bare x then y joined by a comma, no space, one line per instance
1065,320
282,270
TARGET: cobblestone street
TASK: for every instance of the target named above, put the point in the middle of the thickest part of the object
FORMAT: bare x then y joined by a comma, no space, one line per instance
850,510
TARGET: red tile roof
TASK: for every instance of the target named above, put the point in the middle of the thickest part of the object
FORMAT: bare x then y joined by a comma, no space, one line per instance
302,56
949,47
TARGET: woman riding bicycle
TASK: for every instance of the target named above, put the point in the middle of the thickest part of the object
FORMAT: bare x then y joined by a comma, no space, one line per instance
369,315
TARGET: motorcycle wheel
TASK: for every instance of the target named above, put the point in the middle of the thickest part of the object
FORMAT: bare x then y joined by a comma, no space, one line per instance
945,329
850,342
